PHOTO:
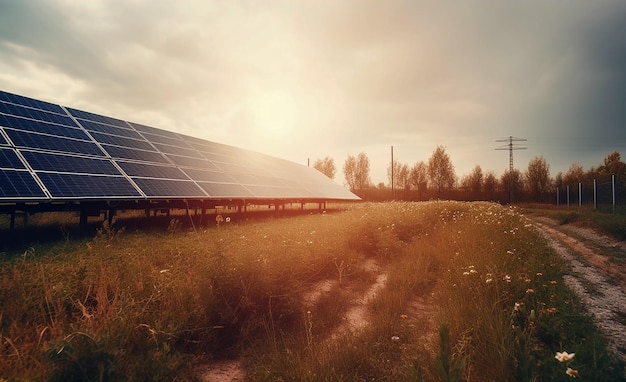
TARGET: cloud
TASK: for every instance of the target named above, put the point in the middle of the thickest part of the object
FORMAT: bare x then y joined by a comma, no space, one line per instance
363,74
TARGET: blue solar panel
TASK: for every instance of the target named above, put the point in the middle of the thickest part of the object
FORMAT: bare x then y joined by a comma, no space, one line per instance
19,184
69,163
126,153
178,151
77,154
209,176
48,142
122,141
87,186
25,124
26,112
164,140
37,104
9,159
152,130
97,118
152,171
169,188
191,162
223,190
108,129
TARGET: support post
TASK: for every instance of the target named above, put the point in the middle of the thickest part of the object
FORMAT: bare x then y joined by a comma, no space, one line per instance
595,196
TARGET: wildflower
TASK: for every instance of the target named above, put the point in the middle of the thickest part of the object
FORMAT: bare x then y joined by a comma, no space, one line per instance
517,306
489,280
571,372
507,278
164,270
530,291
553,282
564,356
228,219
539,274
395,338
466,273
403,316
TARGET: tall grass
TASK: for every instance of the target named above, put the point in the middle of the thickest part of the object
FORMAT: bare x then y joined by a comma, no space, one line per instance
472,293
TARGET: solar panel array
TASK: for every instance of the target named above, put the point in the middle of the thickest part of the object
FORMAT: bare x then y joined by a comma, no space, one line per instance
54,153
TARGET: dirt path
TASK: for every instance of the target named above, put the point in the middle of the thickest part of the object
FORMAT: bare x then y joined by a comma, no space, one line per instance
597,278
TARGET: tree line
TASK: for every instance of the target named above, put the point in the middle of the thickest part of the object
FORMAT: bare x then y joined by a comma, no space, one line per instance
436,179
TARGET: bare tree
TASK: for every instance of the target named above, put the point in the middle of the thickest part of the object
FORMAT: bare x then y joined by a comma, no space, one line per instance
441,170
511,182
400,175
357,172
326,166
490,183
475,182
574,174
537,177
418,177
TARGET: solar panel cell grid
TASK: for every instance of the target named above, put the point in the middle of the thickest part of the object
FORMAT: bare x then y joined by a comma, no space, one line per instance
179,151
125,153
48,142
166,140
97,118
221,190
24,124
68,163
39,115
191,162
87,186
2,140
208,176
10,160
19,184
108,129
21,100
121,141
169,188
152,171
152,130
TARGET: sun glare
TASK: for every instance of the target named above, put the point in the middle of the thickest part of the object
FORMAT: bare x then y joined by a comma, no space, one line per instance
275,114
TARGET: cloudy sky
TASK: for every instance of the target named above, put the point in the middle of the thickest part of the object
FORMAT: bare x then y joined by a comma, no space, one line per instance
310,79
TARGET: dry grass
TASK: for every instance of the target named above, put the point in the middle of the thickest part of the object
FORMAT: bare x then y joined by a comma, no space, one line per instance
144,305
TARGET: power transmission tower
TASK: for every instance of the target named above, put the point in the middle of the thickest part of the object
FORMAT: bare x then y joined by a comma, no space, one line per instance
511,146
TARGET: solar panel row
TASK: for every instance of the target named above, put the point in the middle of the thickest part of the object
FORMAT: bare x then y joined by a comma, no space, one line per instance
55,153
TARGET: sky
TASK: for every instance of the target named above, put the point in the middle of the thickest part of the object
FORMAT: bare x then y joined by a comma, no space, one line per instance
303,80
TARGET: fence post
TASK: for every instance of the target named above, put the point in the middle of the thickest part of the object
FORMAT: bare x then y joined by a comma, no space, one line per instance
595,196
557,196
568,195
613,190
580,194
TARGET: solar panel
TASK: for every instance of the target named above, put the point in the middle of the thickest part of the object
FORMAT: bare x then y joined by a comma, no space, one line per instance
140,155
53,153
169,188
69,186
146,170
10,160
39,115
34,103
24,124
19,184
54,143
108,129
68,163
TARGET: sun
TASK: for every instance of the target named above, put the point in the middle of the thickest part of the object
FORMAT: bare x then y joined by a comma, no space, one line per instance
275,114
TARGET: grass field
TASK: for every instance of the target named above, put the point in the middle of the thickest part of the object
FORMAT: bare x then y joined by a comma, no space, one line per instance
472,293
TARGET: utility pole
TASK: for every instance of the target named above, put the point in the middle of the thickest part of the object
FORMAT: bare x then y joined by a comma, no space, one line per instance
511,146
393,193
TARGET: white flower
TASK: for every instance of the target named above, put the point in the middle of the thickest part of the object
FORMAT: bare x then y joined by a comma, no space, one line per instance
571,372
395,338
564,356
